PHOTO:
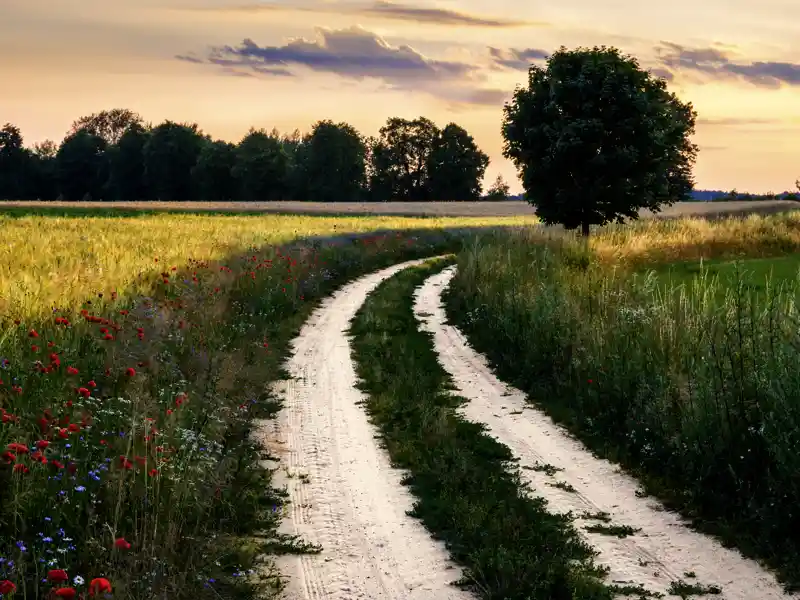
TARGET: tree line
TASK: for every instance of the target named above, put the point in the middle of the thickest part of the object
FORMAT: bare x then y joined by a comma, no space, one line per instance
115,155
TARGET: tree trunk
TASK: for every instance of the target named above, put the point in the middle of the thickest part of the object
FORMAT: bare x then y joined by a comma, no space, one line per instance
585,229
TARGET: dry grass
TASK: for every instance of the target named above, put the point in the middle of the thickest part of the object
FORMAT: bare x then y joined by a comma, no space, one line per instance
48,262
439,209
662,241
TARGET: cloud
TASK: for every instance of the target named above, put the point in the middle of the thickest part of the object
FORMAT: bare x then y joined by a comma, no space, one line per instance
439,16
353,52
519,60
357,54
718,64
735,121
386,10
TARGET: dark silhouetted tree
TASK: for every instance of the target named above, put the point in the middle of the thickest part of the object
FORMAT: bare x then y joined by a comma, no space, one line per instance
13,163
331,163
213,172
262,167
499,190
127,180
170,154
82,166
400,159
595,138
108,124
455,166
43,179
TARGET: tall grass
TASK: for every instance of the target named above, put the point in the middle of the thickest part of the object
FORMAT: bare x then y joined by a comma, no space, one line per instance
694,390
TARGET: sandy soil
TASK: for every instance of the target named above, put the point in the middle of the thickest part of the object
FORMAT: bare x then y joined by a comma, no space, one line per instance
665,548
344,493
437,209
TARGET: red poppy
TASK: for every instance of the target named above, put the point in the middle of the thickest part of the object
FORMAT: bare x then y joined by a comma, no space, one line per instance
42,444
66,592
84,392
57,575
122,544
18,448
130,371
7,587
20,468
72,371
34,348
91,383
9,457
32,333
101,585
74,427
57,464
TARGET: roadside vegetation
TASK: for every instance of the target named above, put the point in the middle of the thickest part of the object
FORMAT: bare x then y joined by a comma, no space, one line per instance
125,414
689,380
468,491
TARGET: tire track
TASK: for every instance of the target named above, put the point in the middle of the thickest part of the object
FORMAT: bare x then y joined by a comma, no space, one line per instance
344,493
664,549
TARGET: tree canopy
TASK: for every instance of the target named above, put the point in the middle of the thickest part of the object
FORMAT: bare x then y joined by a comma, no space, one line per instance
595,138
114,155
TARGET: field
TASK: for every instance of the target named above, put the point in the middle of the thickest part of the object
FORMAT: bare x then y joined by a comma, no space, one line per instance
249,405
427,209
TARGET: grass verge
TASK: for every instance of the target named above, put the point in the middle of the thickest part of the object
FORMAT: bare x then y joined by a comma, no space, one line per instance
125,439
468,494
693,393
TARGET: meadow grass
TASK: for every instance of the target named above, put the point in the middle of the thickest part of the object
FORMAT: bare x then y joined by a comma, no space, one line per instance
52,258
692,388
468,492
126,414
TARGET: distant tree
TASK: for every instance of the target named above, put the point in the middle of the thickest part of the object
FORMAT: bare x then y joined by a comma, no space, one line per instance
595,138
13,163
170,154
262,167
82,166
331,163
127,177
401,159
213,172
108,124
455,166
499,190
43,181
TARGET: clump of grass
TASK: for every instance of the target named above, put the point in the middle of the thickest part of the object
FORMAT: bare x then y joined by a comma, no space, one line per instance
509,544
545,468
620,531
597,516
686,590
563,485
692,390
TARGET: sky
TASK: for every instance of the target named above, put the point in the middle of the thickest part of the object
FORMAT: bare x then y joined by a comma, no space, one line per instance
232,64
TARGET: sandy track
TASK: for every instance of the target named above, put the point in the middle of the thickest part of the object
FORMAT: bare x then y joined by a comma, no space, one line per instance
344,493
665,548
509,208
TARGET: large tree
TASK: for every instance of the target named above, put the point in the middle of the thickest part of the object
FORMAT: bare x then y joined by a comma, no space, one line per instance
13,163
170,154
108,124
331,164
262,166
82,166
401,159
456,166
595,138
213,172
127,179
43,180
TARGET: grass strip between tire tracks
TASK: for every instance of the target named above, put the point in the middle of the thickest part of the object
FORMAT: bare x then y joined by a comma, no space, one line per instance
467,492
